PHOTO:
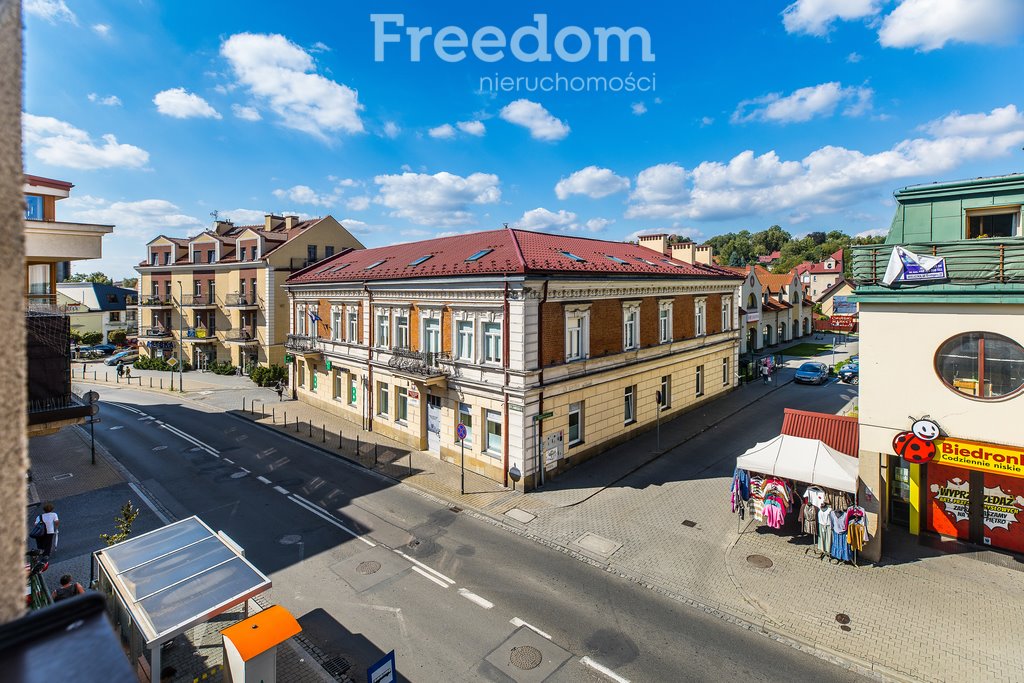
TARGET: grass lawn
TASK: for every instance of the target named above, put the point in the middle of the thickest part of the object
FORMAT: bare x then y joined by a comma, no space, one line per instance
807,349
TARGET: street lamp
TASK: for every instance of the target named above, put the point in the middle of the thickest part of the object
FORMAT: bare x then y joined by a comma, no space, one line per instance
181,338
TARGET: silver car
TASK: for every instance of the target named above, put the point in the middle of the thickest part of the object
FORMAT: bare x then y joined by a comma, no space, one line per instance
812,373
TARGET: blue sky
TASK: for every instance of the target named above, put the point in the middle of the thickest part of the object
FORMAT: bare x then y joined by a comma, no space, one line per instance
807,114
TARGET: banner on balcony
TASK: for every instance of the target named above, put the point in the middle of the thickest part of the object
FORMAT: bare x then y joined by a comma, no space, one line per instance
906,266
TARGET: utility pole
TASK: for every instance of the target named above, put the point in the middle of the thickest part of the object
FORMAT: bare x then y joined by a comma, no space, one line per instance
181,339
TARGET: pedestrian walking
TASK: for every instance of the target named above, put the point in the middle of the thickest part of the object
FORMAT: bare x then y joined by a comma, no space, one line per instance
120,369
127,372
280,391
49,519
766,373
68,588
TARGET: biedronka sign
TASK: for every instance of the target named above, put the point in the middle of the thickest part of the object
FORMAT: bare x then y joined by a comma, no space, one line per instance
985,457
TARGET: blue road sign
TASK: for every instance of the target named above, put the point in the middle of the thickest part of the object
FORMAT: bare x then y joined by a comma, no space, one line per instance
461,432
383,671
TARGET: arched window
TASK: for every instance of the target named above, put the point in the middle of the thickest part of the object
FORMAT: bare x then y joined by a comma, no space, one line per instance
751,302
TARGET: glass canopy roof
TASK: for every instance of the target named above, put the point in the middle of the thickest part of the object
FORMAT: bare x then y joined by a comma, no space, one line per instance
178,576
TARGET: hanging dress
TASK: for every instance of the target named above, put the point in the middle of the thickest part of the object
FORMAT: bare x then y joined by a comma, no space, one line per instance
840,547
825,529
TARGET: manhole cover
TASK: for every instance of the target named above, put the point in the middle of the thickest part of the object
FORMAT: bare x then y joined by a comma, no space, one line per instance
759,561
336,667
290,539
62,477
414,543
843,618
846,628
238,475
525,657
689,523
368,567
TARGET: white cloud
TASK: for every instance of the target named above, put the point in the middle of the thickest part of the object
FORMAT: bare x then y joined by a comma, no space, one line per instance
102,30
361,203
345,182
303,194
59,143
472,127
441,199
706,121
873,232
930,24
804,104
543,219
143,218
319,46
817,16
178,103
243,216
535,118
108,101
592,181
442,132
854,58
639,108
825,179
391,129
51,10
245,113
280,72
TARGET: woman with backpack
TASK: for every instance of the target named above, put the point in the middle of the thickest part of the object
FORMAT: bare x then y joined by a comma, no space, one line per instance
50,523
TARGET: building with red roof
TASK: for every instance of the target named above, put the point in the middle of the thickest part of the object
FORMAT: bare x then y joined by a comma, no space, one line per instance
774,308
548,348
216,296
817,278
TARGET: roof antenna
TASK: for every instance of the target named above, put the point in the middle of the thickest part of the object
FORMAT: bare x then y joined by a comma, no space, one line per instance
215,214
506,225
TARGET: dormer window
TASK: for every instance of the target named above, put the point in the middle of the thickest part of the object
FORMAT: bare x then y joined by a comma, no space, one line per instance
152,258
241,254
1000,222
197,256
211,255
167,257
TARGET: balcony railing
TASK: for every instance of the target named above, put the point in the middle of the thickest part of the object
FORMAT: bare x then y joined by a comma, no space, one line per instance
977,261
421,363
300,343
156,333
198,301
199,333
156,300
240,336
239,300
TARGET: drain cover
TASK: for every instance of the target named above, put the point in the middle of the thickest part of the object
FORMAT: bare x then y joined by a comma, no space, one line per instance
689,523
759,561
414,542
843,618
846,628
336,667
525,657
368,567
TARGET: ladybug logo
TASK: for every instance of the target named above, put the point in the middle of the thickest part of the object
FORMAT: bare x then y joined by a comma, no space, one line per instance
917,445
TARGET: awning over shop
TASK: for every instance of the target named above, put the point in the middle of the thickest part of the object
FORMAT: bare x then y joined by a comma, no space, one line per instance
800,459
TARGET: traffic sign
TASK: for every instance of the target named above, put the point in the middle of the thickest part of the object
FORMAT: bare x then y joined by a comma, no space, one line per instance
383,671
461,431
91,396
94,408
172,361
544,416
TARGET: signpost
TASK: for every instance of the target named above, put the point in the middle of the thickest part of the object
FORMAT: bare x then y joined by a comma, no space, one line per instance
383,671
659,398
461,432
92,397
537,419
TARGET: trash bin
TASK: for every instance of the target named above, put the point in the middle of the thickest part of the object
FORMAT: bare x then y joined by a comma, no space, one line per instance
250,646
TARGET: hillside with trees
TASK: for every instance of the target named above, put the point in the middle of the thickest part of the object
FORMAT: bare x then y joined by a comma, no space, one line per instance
742,248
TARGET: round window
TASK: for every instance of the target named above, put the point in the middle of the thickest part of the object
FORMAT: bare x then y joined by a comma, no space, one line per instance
982,365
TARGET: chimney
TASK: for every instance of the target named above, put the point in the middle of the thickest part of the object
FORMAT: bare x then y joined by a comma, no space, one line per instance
703,254
658,243
270,222
221,227
683,252
290,221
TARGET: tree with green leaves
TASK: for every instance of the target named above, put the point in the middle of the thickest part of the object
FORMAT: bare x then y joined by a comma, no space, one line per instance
119,337
92,338
130,282
97,277
123,522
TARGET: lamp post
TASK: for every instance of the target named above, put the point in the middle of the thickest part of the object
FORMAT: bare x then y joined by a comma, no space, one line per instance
181,338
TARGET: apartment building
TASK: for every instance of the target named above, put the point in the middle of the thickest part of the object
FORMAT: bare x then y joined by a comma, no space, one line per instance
818,278
774,309
942,367
217,296
547,349
94,307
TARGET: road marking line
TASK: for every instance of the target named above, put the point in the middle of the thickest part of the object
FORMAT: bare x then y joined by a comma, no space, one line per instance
243,469
144,418
587,661
473,597
429,569
517,622
281,490
263,479
229,460
115,428
124,407
191,439
422,573
298,500
150,504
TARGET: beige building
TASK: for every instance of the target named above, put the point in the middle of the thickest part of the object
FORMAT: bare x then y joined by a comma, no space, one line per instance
838,299
819,277
548,349
217,296
774,308
93,307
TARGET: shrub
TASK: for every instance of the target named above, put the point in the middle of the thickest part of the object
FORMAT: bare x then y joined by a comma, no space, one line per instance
119,337
156,363
269,376
92,338
222,368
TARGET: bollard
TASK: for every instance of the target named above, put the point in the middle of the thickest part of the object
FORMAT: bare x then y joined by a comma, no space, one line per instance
286,419
374,453
311,429
273,416
106,376
150,382
161,382
357,446
339,438
243,404
263,410
410,462
324,435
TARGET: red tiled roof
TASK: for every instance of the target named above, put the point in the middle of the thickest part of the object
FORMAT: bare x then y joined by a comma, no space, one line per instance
835,431
274,239
774,281
511,251
774,305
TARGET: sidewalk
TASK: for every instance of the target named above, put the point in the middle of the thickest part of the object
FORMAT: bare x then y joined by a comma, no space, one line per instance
87,497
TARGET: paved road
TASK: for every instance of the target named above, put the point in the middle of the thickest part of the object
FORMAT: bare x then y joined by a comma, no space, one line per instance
373,566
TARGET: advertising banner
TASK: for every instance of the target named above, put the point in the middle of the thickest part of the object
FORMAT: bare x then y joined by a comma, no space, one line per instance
986,457
843,305
949,502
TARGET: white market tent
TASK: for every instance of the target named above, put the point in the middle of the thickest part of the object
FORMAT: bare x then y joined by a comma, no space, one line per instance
800,459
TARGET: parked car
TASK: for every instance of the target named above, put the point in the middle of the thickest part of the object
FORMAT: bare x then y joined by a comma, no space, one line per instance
850,373
127,357
105,349
812,373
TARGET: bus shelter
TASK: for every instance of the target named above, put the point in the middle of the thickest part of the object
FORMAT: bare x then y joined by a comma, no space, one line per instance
165,582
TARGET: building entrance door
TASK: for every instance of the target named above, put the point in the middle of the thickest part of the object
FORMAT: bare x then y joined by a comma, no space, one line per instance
433,423
899,492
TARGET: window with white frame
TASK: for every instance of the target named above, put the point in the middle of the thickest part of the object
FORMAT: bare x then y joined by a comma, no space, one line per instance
575,423
699,380
432,335
700,309
401,404
726,315
493,445
629,405
402,330
466,418
666,392
577,332
382,399
300,320
664,321
352,333
300,373
464,340
993,222
336,324
725,372
492,342
339,384
630,326
351,385
383,339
